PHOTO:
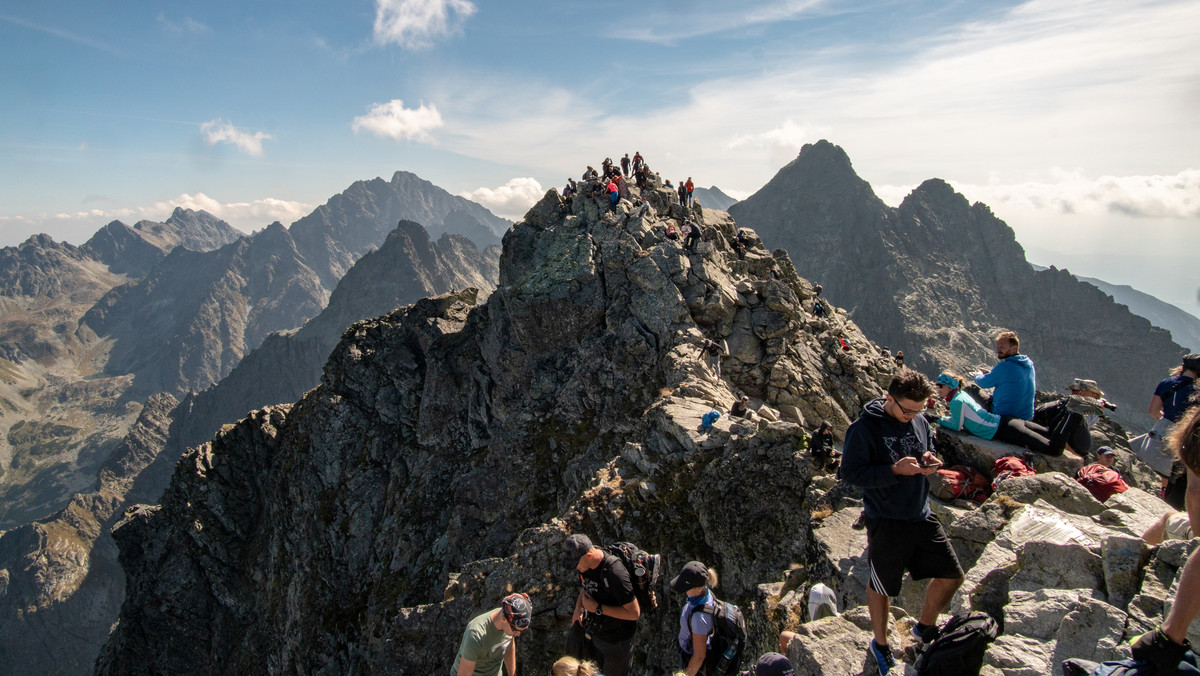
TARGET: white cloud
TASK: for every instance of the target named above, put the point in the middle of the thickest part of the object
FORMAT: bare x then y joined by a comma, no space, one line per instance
186,25
510,200
1175,196
219,131
393,120
415,24
78,226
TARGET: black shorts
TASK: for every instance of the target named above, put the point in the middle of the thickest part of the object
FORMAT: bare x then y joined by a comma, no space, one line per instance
920,547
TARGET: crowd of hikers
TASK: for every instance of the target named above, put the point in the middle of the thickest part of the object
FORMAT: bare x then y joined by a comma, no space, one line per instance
888,452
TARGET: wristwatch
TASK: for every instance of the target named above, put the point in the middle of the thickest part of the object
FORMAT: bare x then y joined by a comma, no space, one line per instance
599,608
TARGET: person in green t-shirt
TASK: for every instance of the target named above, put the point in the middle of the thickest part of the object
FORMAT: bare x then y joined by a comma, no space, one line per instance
489,641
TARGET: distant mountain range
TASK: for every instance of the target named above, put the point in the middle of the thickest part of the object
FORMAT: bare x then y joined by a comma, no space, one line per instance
939,277
713,198
89,333
1184,326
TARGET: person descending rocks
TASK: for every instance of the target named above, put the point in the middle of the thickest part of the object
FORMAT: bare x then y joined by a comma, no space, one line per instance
637,160
696,581
888,452
489,641
1013,380
606,610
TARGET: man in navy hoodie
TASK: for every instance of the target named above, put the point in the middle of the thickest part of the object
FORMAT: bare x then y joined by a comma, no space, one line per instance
1014,379
888,452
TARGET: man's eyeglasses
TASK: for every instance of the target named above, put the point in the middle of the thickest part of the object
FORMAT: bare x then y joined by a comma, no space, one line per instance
907,411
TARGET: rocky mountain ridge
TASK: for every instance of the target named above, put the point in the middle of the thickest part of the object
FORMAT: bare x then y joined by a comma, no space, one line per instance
938,278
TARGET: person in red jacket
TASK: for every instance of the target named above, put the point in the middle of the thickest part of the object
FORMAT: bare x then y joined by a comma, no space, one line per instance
1101,480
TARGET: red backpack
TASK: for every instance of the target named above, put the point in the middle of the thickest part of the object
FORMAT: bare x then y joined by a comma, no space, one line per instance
959,482
1101,481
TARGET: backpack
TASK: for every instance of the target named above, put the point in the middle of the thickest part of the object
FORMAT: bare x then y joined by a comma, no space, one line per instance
959,482
958,649
727,647
706,422
1101,481
1008,467
643,572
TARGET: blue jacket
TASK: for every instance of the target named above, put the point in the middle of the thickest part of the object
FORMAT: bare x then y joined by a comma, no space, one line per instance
1015,381
874,443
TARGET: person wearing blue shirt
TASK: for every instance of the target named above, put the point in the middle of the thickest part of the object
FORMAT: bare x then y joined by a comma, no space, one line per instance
1013,380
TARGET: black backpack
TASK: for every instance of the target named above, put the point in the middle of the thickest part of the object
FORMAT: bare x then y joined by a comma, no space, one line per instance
643,572
728,644
958,649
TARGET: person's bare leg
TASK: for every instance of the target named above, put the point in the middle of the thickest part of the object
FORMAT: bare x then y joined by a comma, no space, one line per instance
879,606
937,597
785,639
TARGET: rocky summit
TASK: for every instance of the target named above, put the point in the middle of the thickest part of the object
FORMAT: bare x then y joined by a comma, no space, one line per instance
453,444
939,277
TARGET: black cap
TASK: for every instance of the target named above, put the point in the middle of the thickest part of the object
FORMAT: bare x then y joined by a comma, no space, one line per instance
694,574
574,547
1191,361
517,610
773,664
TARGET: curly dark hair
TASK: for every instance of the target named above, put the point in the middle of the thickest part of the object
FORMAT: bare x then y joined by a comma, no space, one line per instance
911,385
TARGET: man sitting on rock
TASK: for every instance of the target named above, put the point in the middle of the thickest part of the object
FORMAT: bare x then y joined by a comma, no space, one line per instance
1100,478
1014,379
888,452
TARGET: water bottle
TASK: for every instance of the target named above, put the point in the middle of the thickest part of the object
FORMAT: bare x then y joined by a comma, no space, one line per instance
726,660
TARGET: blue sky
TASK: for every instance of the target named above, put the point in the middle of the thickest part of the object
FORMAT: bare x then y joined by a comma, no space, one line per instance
1077,122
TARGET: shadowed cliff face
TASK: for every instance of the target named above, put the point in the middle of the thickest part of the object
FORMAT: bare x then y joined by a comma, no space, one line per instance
452,444
938,278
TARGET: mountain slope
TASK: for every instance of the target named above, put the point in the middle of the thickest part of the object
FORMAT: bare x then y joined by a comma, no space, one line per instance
938,277
358,219
713,198
408,267
1184,326
134,250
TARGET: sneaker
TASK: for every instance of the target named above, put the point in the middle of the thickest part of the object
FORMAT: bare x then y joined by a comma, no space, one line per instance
882,656
924,633
1158,649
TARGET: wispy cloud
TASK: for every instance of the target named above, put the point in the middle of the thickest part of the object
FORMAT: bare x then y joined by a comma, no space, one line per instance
63,34
510,200
185,25
415,24
680,21
219,131
393,120
1073,192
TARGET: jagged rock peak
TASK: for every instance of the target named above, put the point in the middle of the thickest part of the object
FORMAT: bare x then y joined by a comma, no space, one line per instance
575,391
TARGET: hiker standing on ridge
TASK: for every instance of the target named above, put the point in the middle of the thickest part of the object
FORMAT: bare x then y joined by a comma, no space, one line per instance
607,610
489,641
1165,645
690,187
625,165
1014,380
888,451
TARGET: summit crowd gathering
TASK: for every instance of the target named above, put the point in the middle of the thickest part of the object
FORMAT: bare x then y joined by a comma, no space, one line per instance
888,453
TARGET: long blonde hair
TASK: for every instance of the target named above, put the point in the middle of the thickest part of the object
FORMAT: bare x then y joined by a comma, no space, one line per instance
569,666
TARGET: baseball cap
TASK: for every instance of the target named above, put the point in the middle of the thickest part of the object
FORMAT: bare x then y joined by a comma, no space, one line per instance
1105,450
694,574
574,547
773,664
517,610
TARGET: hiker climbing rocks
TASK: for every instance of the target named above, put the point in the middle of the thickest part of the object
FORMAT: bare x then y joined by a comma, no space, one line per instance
613,194
740,408
489,641
604,623
888,451
637,160
899,359
1014,379
693,237
713,352
1165,646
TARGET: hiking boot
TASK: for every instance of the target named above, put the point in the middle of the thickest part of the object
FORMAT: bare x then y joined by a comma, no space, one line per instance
1083,405
924,633
860,523
881,656
1158,649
